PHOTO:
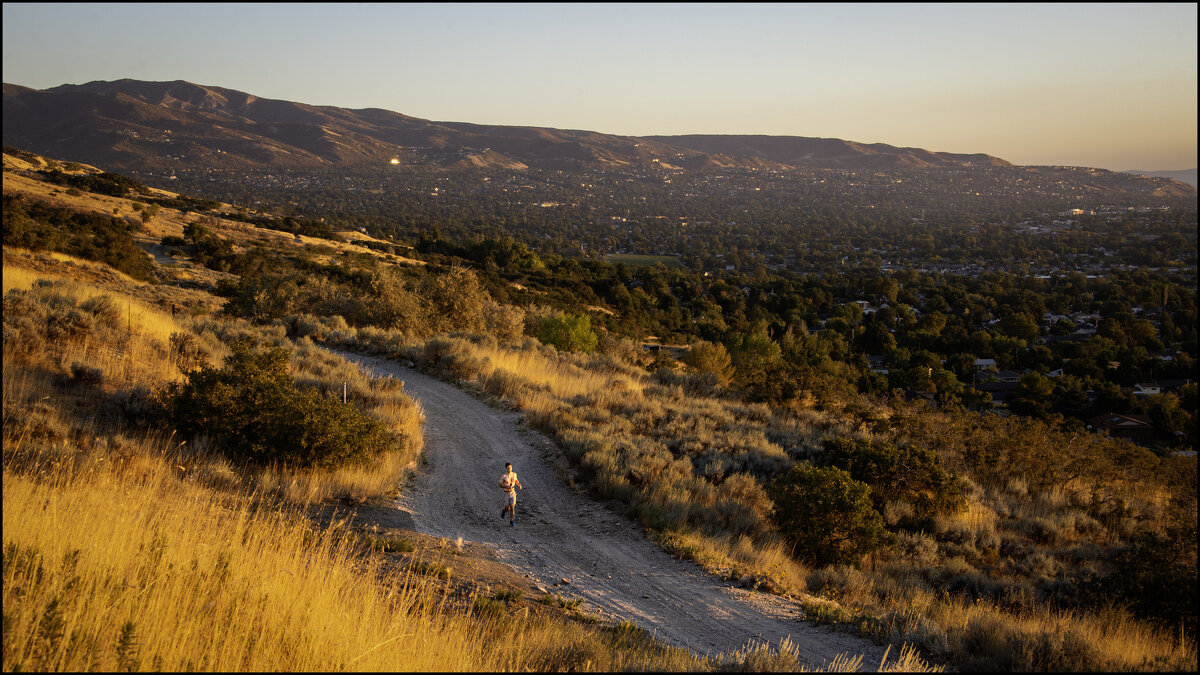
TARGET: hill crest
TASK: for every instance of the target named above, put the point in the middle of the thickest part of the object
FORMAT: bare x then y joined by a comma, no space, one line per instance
132,124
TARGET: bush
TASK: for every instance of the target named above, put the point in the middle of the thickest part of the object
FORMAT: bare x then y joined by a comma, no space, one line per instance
826,514
39,226
912,475
252,409
709,357
568,333
112,184
1155,576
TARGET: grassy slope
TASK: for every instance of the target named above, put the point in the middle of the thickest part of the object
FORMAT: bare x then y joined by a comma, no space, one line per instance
582,401
1004,556
127,548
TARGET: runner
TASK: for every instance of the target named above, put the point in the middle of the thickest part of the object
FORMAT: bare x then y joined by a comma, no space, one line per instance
510,484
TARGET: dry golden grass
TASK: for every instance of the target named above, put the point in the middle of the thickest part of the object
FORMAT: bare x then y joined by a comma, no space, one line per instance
561,375
766,567
136,354
127,345
122,562
1045,639
590,409
23,279
17,273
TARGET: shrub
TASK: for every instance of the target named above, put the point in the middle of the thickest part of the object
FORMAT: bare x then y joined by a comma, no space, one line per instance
568,333
187,351
252,409
1155,576
455,301
40,226
709,357
826,514
754,355
86,374
910,475
505,322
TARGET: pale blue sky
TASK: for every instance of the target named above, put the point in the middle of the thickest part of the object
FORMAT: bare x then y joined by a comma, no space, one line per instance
1108,85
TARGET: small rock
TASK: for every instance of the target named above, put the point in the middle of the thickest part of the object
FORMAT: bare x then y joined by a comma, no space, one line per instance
564,581
645,596
541,589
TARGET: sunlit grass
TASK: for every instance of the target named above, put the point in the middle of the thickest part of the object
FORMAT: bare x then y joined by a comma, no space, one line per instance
125,550
561,376
123,562
601,416
125,347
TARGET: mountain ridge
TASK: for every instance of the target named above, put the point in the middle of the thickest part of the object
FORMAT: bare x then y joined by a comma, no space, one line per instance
1188,176
140,122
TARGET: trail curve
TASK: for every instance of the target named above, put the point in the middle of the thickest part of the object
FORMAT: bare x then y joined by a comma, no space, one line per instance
561,534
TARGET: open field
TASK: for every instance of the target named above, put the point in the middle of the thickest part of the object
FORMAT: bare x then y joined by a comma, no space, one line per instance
643,260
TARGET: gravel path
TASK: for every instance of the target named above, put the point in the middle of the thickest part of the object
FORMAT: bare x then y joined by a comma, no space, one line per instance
561,534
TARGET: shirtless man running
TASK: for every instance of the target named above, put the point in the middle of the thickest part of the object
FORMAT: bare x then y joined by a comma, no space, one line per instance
510,484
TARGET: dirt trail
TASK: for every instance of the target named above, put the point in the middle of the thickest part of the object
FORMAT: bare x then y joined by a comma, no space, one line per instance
561,534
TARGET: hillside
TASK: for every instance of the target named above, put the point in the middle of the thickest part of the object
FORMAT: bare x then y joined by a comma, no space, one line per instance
829,153
988,541
1187,176
130,124
109,346
711,201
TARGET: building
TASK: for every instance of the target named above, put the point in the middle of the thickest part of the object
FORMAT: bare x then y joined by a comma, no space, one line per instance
1132,427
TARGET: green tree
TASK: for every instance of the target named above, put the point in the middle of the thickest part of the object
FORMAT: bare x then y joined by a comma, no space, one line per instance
913,475
194,232
568,333
710,357
148,212
826,514
1034,395
1155,576
754,356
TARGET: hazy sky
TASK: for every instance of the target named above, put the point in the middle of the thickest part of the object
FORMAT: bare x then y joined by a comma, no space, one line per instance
1107,85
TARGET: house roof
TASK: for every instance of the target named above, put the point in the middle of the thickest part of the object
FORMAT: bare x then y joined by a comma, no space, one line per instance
1119,421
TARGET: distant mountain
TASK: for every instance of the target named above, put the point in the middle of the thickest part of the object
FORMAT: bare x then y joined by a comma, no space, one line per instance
827,152
1183,175
137,125
131,124
141,128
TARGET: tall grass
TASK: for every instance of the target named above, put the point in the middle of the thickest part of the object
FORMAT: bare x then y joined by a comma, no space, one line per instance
109,352
983,588
126,549
126,563
133,550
